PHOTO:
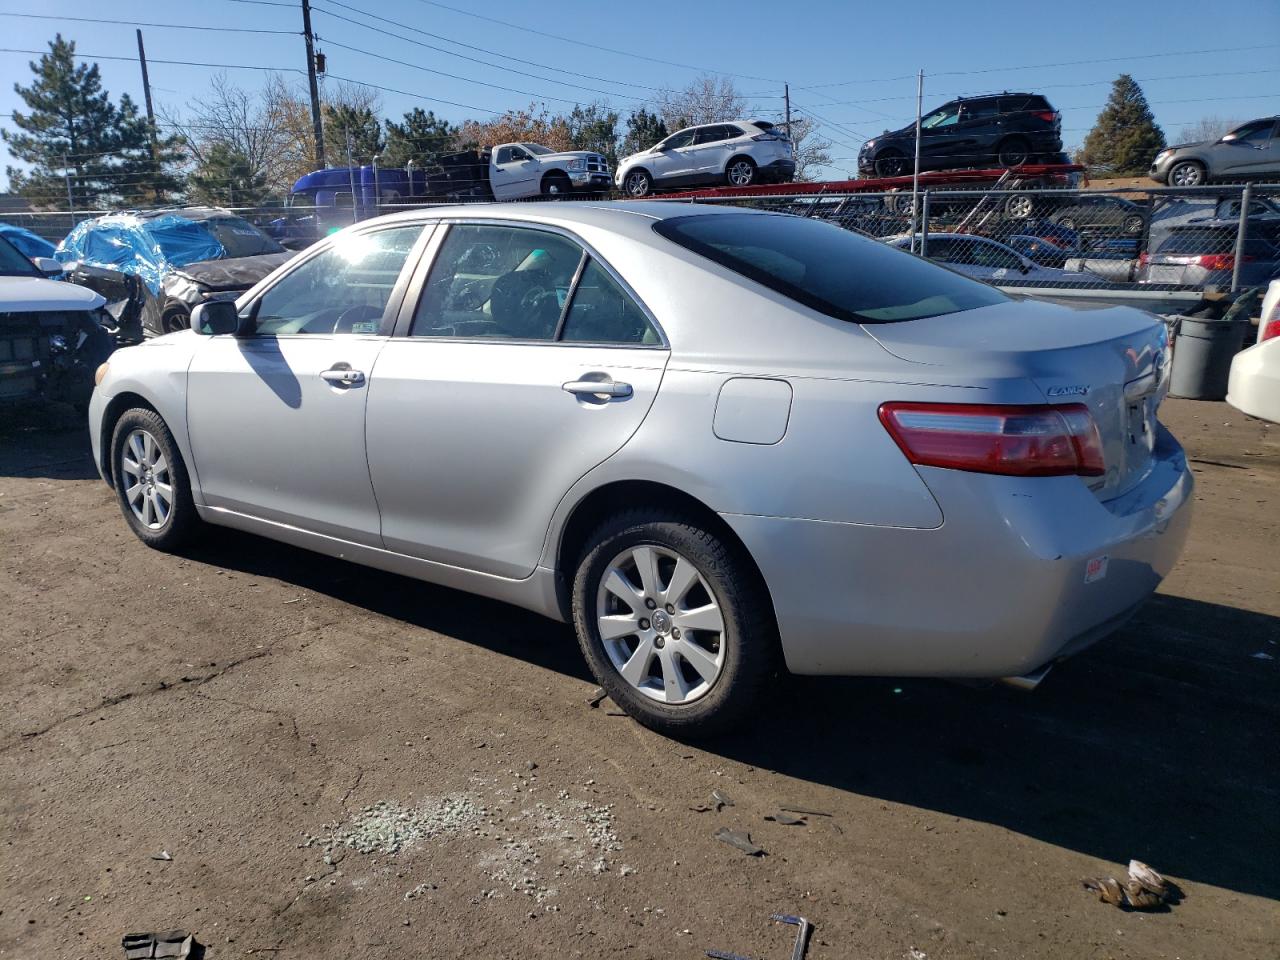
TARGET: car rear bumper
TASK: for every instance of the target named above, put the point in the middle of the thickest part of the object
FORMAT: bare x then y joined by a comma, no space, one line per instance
1253,387
779,171
1021,572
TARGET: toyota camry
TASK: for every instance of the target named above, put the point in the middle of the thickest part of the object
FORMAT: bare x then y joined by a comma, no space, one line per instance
721,443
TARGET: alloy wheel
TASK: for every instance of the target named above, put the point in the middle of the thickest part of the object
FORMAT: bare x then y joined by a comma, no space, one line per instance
660,624
741,173
1186,175
637,184
148,484
1020,207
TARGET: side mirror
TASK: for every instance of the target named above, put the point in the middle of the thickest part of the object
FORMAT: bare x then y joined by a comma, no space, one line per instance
47,265
217,318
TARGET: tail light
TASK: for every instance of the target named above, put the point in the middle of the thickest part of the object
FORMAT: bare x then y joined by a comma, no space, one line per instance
1143,259
1220,261
1016,441
1048,116
1270,329
770,136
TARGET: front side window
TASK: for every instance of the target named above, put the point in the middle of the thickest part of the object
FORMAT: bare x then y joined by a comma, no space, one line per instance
980,110
989,255
833,271
13,263
1256,132
681,139
497,281
343,290
945,117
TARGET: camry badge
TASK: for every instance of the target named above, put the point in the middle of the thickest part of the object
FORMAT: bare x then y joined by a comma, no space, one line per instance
1071,390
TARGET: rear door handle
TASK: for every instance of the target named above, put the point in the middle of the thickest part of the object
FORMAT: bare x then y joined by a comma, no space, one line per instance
599,388
343,376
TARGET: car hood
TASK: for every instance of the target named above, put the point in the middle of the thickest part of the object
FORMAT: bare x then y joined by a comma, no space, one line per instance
27,294
239,273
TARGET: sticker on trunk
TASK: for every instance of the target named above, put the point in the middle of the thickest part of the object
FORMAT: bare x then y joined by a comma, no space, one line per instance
1096,568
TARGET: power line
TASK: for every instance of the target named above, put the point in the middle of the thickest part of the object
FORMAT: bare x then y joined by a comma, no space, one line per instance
416,96
469,46
594,46
451,53
1039,66
143,23
177,63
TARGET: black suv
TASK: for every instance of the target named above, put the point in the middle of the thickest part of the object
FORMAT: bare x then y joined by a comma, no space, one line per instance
1003,129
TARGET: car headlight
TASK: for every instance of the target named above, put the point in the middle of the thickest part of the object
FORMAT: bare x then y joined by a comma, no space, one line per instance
100,373
868,145
1162,154
577,164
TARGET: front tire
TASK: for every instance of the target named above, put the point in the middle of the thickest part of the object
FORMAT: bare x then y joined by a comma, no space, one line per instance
556,186
674,622
637,183
1188,173
151,480
1132,225
175,319
891,163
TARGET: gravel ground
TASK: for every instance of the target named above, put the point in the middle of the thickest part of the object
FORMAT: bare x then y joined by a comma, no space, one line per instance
343,763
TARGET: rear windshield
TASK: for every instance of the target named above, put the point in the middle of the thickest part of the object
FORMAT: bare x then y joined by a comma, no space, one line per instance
1218,240
240,237
828,269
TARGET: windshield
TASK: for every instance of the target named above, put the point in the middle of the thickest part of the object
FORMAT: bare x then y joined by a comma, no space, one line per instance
13,263
241,238
826,268
537,149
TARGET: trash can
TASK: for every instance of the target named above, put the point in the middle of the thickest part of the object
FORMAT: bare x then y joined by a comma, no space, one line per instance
1202,357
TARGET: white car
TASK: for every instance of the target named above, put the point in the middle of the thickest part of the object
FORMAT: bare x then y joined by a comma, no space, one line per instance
989,260
738,153
1254,386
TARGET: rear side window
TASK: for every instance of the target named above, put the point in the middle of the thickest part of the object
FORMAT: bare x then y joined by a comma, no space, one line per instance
980,110
825,268
602,312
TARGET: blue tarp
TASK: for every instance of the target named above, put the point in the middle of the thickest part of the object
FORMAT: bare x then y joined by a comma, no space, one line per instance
148,248
29,244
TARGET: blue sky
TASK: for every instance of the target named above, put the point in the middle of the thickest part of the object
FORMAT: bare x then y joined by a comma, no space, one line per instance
850,65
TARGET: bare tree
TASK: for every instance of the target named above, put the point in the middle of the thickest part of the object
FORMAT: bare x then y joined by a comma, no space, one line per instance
1206,128
812,150
708,99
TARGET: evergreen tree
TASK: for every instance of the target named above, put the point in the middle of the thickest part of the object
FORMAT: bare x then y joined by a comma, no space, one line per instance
143,174
644,129
595,127
69,131
357,125
1126,136
226,177
420,137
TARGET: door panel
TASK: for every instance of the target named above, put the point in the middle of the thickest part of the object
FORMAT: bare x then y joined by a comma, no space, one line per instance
512,174
472,445
273,439
678,161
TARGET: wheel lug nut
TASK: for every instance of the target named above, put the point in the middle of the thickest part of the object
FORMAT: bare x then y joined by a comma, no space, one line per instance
675,632
671,608
650,603
644,624
659,643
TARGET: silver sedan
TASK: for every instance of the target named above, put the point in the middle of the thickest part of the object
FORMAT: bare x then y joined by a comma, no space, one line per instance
719,442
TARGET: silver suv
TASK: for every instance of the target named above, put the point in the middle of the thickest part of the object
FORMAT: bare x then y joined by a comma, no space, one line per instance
1249,152
738,153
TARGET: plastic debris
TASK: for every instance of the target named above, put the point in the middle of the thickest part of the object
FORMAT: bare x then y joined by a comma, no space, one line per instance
162,855
176,944
721,800
787,819
598,697
739,839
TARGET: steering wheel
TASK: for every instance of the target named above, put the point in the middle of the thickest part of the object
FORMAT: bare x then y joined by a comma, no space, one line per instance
362,313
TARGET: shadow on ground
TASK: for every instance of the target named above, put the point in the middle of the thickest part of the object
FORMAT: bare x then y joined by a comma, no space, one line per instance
1156,744
45,440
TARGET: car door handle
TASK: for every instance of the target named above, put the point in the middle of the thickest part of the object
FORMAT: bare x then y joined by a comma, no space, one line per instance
599,388
343,376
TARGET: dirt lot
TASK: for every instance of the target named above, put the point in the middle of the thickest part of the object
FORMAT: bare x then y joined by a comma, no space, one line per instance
347,764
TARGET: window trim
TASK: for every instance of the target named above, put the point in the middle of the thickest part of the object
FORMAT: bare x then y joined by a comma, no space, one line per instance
418,284
394,300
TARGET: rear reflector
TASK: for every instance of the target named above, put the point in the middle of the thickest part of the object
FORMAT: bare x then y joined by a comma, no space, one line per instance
1017,441
1270,329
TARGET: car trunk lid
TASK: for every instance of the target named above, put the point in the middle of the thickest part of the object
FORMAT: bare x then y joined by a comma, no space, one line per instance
1114,360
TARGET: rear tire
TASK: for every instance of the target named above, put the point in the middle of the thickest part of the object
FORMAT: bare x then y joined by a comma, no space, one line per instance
645,576
176,318
740,172
1132,225
1014,152
152,486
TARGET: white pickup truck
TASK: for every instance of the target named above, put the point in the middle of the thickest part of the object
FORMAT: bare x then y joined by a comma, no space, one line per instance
521,170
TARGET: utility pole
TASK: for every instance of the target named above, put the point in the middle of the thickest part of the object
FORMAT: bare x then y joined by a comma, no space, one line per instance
71,200
318,129
915,177
786,95
146,94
